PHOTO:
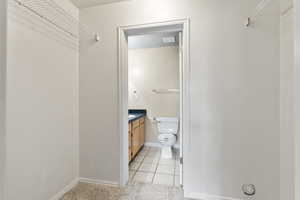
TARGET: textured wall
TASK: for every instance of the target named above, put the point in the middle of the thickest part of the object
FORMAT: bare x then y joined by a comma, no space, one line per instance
2,92
42,104
235,91
296,98
286,103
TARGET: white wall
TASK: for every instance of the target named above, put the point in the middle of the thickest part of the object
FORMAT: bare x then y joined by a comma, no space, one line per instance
235,91
2,92
42,107
296,99
148,69
286,103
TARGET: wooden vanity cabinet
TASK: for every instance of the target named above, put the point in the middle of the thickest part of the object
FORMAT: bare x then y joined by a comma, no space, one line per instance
129,141
136,136
142,132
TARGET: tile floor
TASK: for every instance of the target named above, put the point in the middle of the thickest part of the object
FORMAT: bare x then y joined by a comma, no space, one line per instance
149,167
151,178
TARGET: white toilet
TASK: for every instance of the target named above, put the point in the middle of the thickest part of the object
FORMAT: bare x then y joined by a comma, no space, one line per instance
168,129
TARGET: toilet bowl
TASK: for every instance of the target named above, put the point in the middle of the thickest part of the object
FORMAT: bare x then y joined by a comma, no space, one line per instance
168,129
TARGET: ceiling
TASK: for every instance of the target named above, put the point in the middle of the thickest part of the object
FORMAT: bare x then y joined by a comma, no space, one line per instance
90,3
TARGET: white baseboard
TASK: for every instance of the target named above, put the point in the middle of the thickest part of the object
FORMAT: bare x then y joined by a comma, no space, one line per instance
66,189
99,182
202,196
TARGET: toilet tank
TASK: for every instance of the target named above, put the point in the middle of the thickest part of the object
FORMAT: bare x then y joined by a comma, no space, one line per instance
167,125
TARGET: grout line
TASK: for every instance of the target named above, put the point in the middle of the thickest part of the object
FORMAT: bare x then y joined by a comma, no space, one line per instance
155,172
136,170
174,172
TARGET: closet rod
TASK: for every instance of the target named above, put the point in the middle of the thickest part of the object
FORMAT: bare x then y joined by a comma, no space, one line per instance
69,17
45,18
63,12
81,26
258,9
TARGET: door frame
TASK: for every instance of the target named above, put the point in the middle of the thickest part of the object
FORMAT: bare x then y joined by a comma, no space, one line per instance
123,93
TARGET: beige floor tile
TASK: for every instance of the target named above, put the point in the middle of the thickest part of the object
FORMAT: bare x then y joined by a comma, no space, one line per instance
139,158
177,170
145,148
143,153
177,181
164,179
151,160
131,174
153,155
148,167
134,165
170,162
143,177
154,149
165,169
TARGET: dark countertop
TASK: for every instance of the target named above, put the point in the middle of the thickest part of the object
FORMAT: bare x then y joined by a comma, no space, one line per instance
136,114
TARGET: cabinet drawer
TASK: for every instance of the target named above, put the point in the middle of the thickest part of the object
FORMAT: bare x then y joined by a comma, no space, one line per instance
135,124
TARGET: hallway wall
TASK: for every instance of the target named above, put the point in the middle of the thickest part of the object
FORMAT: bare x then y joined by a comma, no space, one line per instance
235,91
296,98
42,106
2,92
286,103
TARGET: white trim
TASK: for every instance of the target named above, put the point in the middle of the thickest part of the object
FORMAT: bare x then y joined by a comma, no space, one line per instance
123,110
99,182
202,196
66,189
155,24
123,90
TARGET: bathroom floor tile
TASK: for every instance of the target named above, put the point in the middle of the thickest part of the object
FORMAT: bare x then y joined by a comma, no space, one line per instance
170,162
131,174
143,177
154,150
151,160
148,167
153,155
134,165
139,158
165,169
164,179
177,181
177,171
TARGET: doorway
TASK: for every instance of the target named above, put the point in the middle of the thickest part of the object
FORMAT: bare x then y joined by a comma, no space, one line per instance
181,29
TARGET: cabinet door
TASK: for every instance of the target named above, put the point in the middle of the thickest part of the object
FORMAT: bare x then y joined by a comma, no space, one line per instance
135,140
129,142
142,132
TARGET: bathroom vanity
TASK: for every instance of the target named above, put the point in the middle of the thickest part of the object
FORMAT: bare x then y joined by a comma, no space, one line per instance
136,132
